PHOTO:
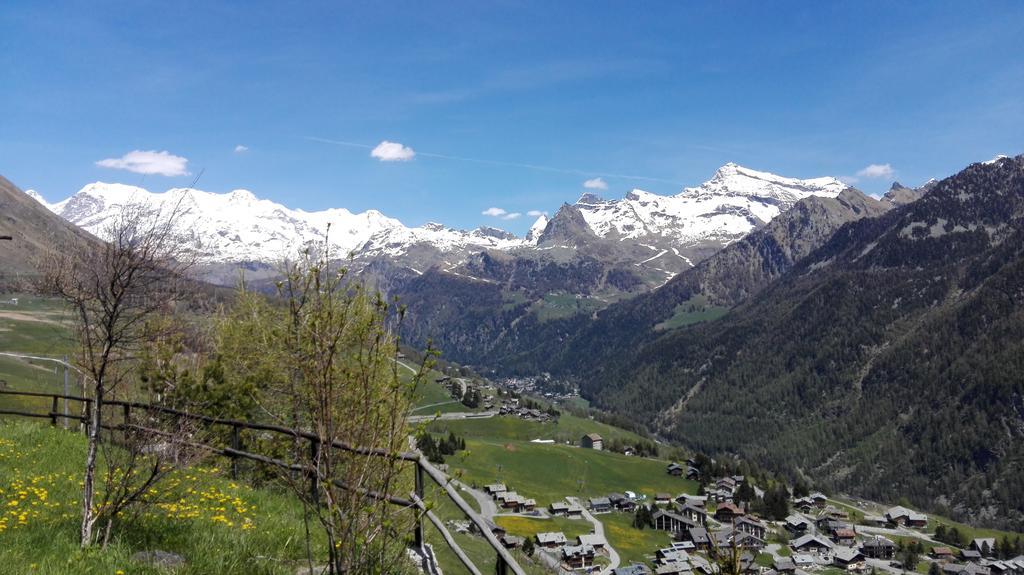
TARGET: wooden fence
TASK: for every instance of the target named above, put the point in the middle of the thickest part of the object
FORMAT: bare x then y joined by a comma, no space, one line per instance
504,563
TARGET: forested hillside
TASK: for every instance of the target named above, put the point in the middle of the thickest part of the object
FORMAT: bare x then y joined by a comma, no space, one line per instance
887,363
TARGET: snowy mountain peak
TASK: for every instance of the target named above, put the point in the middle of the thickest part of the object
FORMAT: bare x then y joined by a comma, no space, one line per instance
735,201
37,197
533,236
238,226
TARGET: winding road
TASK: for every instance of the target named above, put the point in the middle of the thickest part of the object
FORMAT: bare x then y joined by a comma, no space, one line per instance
613,555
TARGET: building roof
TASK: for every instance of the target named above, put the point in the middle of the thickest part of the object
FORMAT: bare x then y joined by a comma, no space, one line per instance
592,539
847,554
634,569
556,537
595,501
810,538
699,535
796,519
878,541
578,551
898,512
593,437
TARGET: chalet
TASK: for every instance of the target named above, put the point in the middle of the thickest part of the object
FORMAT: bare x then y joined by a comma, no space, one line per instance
803,561
672,522
902,516
575,511
797,524
942,553
693,513
751,526
803,504
878,547
811,543
674,469
722,494
559,509
551,540
593,539
999,567
968,568
578,556
693,473
592,441
699,536
818,499
662,499
784,565
622,503
495,488
970,555
600,504
511,541
671,555
844,536
726,512
634,569
700,501
983,545
745,540
726,484
848,558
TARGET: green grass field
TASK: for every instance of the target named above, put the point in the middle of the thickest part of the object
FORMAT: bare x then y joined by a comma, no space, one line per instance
548,473
633,545
528,526
694,310
568,428
219,526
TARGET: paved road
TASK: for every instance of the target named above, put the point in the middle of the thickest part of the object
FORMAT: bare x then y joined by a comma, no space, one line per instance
488,508
613,555
898,532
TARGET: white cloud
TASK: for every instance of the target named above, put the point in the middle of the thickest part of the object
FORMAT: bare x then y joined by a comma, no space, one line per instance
595,184
148,162
392,152
536,213
240,149
501,213
877,171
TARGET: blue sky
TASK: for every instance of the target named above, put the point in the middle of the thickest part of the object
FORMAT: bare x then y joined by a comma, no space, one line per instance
665,91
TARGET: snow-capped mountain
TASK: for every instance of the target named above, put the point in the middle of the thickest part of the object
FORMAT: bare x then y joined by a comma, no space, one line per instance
656,236
730,205
238,227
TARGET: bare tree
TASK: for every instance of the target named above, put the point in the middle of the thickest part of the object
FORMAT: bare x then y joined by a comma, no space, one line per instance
114,292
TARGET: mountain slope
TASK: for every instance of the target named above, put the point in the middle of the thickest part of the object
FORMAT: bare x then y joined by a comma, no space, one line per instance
662,234
886,363
34,230
476,324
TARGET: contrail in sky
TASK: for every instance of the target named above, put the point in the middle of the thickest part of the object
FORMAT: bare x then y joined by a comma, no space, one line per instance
501,163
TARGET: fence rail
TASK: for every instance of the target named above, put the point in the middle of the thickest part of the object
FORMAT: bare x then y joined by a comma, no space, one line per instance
504,562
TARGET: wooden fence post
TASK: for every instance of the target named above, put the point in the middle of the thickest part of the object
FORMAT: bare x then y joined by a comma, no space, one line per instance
53,412
418,533
126,410
314,458
88,417
236,444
